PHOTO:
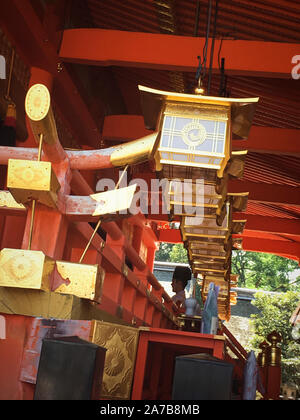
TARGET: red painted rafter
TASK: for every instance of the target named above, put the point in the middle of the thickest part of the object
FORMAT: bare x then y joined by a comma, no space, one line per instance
172,52
290,249
285,7
267,193
124,15
273,210
242,21
272,169
122,128
265,87
264,12
270,224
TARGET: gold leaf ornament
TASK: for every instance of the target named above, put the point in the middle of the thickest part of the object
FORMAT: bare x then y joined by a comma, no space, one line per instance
20,267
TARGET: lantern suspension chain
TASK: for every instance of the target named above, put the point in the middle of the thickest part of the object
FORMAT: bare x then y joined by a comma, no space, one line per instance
207,38
202,68
212,47
197,18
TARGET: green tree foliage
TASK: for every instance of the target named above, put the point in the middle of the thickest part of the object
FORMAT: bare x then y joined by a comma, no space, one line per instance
263,271
171,253
163,253
274,314
256,270
179,254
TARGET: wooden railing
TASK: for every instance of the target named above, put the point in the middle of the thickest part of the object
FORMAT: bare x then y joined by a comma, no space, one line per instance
133,294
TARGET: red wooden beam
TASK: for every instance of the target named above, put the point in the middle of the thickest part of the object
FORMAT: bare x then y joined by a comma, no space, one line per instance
286,248
172,52
18,153
263,193
270,224
87,159
81,208
124,127
283,141
82,159
255,223
290,249
267,193
173,236
275,140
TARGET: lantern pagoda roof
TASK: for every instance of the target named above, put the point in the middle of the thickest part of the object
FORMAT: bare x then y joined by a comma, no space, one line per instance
242,108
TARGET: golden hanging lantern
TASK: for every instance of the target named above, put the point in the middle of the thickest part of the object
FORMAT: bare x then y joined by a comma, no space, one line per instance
194,153
191,198
195,131
206,228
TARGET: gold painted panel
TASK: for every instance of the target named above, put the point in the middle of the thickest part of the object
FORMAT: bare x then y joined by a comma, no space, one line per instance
136,151
82,280
121,344
213,112
39,303
25,269
7,201
27,180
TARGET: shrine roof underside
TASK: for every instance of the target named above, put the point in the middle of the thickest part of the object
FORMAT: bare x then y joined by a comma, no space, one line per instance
265,33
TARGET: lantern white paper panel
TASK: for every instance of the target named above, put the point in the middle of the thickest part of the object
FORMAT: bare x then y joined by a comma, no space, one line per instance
193,140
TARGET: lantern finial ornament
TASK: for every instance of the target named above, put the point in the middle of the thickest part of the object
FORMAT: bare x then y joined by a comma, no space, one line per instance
262,356
274,352
199,90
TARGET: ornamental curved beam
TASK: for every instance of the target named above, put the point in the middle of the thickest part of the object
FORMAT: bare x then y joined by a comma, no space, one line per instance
132,153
